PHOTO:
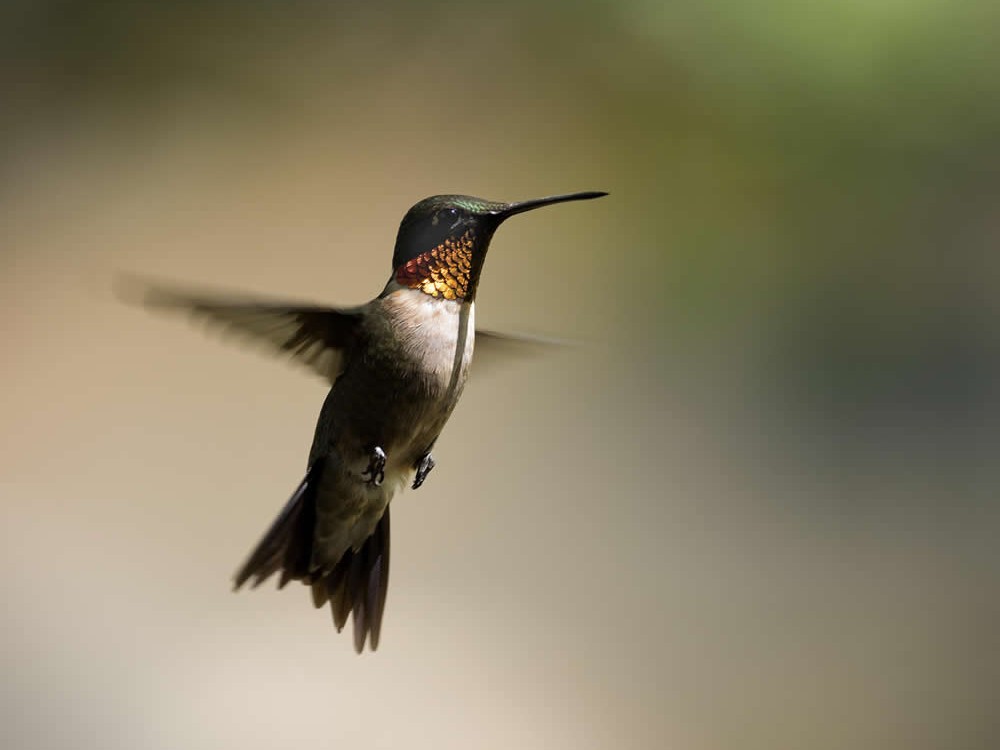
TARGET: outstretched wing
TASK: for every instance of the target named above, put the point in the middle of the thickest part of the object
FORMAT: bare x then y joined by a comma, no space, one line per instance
493,349
312,335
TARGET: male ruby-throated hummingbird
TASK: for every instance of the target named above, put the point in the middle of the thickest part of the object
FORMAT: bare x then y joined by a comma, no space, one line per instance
397,365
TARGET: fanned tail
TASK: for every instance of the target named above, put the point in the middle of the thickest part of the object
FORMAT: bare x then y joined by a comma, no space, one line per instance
357,583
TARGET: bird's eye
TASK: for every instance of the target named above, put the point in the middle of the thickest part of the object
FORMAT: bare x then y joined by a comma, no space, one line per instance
451,217
447,216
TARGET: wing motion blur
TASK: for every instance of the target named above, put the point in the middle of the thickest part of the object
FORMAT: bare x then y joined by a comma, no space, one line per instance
312,335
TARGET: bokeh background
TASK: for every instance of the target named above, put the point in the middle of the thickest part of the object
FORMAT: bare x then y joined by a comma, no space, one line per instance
756,507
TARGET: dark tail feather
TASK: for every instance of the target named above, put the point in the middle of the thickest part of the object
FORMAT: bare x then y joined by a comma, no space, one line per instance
377,567
358,582
287,545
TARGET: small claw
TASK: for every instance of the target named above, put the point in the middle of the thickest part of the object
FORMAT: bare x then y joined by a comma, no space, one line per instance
375,473
424,466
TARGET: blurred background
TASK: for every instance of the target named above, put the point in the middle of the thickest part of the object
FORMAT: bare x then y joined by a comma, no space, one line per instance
756,508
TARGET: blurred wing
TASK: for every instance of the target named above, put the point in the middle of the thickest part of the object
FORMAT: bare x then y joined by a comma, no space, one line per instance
312,335
493,349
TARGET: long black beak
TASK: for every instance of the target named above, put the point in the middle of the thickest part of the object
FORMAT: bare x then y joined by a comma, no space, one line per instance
521,206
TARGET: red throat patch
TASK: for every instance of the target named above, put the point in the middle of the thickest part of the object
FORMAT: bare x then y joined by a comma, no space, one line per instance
442,272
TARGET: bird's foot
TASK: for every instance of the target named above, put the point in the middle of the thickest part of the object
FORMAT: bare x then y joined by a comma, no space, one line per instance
375,473
424,466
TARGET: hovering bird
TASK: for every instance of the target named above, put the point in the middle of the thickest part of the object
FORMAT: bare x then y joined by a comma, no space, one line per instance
397,366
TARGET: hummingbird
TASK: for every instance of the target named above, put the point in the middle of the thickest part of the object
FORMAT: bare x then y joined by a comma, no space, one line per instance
397,366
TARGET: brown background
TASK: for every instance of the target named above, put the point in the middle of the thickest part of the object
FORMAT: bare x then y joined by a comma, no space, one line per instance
754,508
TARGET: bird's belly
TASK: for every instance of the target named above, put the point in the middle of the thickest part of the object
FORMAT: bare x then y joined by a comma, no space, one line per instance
349,504
347,511
398,399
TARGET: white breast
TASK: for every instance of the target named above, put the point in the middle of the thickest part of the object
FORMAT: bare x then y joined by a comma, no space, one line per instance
436,335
